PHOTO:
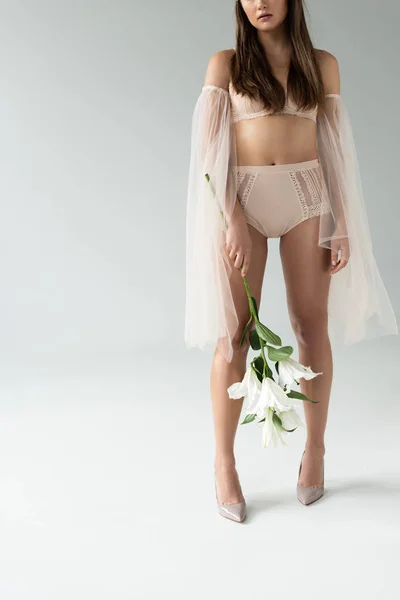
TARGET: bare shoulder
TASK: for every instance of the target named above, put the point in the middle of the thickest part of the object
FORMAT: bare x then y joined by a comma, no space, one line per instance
329,67
218,69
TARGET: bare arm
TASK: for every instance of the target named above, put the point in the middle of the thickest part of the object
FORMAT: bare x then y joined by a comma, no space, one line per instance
330,71
218,72
238,241
332,157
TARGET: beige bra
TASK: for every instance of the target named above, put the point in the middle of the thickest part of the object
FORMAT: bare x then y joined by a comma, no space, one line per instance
244,107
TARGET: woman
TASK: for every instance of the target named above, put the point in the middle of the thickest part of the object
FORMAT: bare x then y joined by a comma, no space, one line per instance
272,134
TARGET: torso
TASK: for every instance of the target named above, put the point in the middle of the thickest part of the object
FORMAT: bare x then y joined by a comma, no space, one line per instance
275,139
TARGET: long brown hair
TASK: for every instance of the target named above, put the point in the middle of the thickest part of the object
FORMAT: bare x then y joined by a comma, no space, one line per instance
251,72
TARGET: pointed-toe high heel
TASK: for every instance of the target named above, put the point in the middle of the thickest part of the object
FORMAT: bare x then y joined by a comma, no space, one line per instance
235,511
309,494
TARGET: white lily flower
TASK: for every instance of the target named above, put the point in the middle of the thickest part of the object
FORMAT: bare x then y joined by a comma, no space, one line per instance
250,386
264,400
271,396
274,396
290,419
274,399
290,369
271,433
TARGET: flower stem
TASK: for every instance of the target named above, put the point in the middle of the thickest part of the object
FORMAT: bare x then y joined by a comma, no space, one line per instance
246,285
263,355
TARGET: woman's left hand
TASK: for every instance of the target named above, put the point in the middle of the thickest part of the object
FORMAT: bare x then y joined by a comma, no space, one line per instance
341,244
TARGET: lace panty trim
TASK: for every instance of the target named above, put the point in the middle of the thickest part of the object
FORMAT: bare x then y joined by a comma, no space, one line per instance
308,185
244,185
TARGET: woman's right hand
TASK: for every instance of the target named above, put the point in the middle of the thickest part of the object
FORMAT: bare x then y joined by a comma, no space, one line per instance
238,242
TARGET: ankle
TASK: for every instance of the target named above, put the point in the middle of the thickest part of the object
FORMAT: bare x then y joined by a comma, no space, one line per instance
316,449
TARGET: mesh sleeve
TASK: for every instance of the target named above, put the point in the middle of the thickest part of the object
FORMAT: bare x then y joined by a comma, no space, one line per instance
359,306
210,315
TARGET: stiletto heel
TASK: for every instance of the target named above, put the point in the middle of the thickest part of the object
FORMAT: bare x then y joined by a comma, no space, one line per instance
235,511
309,494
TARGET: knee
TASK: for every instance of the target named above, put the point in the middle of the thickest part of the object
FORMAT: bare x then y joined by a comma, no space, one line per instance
240,350
310,326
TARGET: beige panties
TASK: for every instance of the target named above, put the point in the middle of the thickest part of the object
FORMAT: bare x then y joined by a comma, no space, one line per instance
276,198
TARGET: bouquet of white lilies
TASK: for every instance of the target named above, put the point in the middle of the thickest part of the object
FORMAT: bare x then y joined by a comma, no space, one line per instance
268,400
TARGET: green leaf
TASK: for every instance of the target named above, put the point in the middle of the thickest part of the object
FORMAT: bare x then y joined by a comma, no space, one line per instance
267,335
258,366
248,419
254,340
254,301
279,353
278,422
277,367
245,330
276,419
300,396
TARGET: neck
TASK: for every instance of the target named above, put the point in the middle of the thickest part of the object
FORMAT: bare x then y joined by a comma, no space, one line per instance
276,45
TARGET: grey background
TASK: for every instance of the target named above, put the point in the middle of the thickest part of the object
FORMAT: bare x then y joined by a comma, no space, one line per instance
106,438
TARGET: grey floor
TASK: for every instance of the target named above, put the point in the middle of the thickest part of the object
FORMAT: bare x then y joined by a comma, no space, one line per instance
106,486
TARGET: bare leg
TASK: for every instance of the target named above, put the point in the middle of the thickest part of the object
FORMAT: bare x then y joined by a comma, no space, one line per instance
226,411
306,272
